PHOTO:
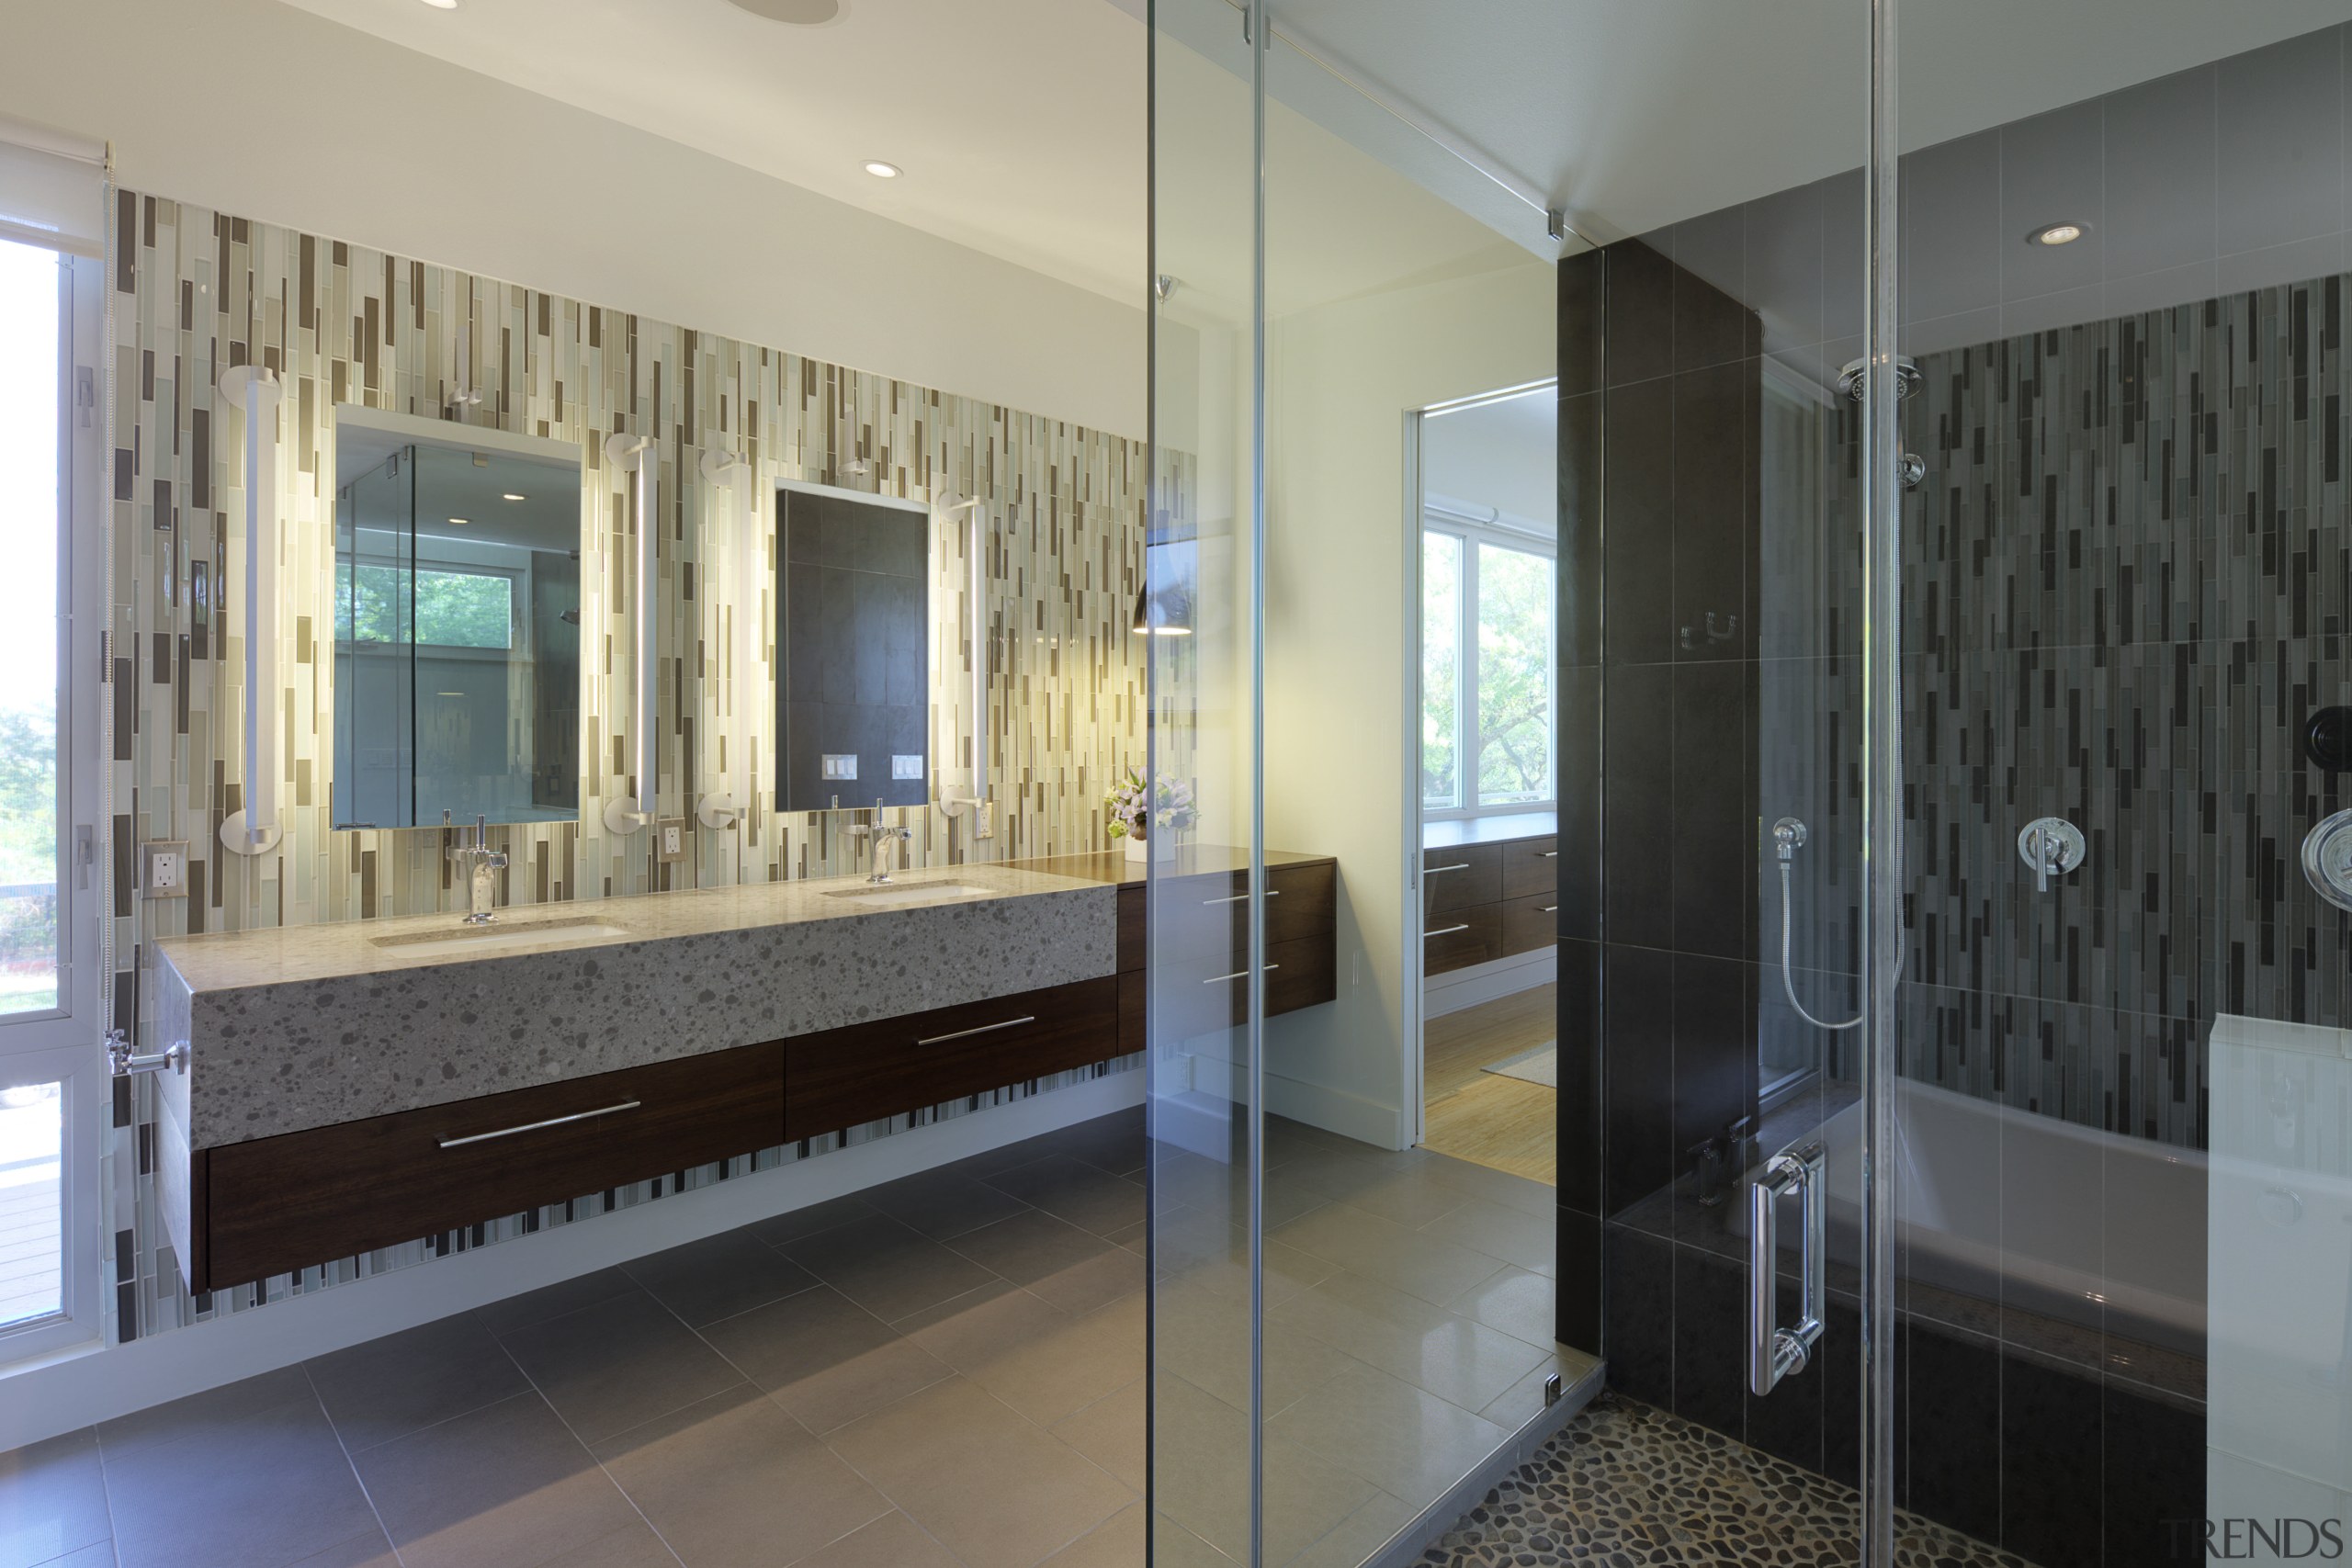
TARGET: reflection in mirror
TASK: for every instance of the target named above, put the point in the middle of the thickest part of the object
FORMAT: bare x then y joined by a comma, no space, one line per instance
853,650
457,638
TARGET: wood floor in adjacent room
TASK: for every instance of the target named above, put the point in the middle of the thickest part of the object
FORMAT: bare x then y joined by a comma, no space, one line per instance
1483,1117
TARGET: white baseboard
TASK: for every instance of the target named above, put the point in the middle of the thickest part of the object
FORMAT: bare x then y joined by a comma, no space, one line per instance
73,1389
1488,982
1336,1111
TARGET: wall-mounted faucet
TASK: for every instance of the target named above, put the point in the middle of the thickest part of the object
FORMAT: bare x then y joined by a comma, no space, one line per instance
477,862
877,837
2051,846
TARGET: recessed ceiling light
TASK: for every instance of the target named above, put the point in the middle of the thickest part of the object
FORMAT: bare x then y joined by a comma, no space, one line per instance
512,496
460,522
882,171
2058,235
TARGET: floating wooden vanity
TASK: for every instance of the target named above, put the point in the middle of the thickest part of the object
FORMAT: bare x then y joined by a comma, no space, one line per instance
348,1091
1490,888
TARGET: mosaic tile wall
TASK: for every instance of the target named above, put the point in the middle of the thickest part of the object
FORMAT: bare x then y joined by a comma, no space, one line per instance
194,291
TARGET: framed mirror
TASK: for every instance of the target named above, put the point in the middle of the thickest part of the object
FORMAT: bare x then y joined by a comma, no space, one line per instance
457,624
852,648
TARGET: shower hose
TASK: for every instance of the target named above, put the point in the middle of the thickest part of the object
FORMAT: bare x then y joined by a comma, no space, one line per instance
1788,982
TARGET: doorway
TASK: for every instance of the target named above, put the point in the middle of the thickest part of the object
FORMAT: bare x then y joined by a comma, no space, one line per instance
1485,527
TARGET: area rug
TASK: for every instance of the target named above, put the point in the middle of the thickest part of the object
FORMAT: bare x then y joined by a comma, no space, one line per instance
1539,1066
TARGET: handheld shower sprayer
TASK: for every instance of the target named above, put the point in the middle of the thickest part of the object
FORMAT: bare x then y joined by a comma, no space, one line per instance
1788,836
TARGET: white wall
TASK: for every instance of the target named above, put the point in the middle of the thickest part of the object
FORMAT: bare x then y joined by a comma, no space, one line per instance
268,112
1342,379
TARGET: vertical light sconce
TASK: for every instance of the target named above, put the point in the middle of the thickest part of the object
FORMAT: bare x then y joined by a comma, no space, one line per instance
746,546
256,391
623,816
974,796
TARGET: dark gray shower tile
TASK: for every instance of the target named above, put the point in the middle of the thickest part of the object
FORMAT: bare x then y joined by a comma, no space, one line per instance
2053,170
1710,851
1711,485
1637,750
1951,226
1637,1313
1641,312
1710,1315
1782,264
1581,1107
1581,795
1637,544
2161,167
2280,144
1581,524
1949,1426
1714,1070
1637,1076
2051,1424
2154,1479
1581,321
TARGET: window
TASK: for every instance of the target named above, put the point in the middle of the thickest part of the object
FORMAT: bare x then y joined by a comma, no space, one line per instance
52,1082
1486,699
453,609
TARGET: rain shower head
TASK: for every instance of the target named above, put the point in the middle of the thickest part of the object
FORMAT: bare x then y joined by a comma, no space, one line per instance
1853,379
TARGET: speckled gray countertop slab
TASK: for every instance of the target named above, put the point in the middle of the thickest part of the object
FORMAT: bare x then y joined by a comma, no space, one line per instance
312,1025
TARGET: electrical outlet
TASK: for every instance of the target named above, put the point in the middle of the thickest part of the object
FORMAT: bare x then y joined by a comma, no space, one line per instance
669,839
163,869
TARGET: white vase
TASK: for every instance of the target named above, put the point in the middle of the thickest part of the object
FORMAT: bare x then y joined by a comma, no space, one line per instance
1159,847
1137,851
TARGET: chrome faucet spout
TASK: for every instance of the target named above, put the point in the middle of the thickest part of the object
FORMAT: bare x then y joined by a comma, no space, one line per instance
479,865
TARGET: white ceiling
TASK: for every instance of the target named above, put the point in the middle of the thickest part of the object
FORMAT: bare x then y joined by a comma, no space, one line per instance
1021,123
1497,455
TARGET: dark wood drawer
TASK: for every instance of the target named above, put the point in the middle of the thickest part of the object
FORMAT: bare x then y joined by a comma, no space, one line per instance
1200,998
1134,948
1461,878
1530,923
869,1071
1302,901
1455,939
1208,916
1135,997
1530,866
282,1203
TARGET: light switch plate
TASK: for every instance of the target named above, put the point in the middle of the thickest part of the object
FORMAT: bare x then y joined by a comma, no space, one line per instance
837,765
163,869
905,767
669,839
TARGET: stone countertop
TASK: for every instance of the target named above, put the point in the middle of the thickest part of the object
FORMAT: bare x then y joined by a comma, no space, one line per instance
309,1026
1454,833
1113,866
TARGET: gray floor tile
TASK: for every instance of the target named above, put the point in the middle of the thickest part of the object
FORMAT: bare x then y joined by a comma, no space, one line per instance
1404,1440
1115,1143
1205,1339
53,1500
1117,1542
886,1267
1075,1270
1525,1401
1529,1241
1414,1261
1520,1303
1459,1360
102,1556
372,1550
735,1483
554,1301
1032,1356
1540,1198
263,1490
795,1223
826,1359
390,1387
506,1484
1201,1477
893,1541
943,1204
718,1277
1111,1432
200,1413
1354,1540
612,1366
991,1486
1085,1195
634,1545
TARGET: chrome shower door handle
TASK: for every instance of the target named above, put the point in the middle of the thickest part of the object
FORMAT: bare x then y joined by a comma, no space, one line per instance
1774,1352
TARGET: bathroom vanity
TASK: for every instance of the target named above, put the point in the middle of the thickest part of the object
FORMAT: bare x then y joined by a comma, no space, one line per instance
354,1086
1489,888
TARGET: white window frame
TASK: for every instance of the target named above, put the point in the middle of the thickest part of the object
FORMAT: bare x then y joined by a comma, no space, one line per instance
1468,745
65,1044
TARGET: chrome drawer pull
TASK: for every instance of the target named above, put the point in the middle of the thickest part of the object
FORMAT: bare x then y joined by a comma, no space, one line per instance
1237,975
984,1029
1446,930
1432,871
1271,892
1549,910
1549,855
538,1126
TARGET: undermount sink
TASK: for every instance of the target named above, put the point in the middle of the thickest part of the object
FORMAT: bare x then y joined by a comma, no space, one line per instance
521,933
887,894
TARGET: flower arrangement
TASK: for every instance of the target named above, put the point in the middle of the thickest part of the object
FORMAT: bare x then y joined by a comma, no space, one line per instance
1140,804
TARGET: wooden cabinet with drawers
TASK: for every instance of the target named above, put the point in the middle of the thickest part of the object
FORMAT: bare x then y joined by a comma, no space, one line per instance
1488,901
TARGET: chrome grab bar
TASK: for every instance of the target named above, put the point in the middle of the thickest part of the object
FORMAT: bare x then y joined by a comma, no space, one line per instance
1271,892
537,1126
1445,930
1238,974
983,1028
1774,1352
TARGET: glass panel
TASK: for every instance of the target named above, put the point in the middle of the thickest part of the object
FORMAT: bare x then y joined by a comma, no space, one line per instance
32,1129
374,673
1441,669
30,956
1514,665
1198,607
